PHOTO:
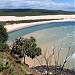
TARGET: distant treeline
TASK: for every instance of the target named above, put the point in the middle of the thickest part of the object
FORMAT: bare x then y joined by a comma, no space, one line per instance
24,21
32,12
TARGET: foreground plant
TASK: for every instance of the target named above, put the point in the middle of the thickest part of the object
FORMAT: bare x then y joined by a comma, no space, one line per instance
3,34
3,37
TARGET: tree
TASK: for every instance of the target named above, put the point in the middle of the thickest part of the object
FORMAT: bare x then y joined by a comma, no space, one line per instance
68,56
3,37
3,34
59,68
25,46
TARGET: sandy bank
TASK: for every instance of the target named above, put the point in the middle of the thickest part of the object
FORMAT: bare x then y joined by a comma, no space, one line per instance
14,18
13,27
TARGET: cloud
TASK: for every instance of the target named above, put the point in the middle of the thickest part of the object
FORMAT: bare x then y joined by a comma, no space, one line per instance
36,4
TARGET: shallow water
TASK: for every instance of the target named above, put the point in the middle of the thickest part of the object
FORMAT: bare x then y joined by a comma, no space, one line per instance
52,35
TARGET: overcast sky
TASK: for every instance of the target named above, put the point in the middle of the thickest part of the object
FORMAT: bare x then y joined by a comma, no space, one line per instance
38,4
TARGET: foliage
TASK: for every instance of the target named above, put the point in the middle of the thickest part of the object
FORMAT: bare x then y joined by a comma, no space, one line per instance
3,34
31,12
24,21
8,66
23,47
3,46
5,65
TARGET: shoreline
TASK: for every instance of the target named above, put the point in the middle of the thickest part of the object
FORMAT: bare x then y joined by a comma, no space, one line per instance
27,25
61,18
34,25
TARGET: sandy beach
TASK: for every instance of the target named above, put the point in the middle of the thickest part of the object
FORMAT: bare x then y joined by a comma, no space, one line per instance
13,27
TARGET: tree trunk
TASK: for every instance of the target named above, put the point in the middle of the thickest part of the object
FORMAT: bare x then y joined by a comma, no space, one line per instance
47,67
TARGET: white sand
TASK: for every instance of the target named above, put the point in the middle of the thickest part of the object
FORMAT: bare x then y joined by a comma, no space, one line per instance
10,18
23,25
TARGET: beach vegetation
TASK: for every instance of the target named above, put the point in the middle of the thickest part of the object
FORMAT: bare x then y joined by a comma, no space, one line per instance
32,12
3,34
8,66
3,46
24,21
26,46
3,37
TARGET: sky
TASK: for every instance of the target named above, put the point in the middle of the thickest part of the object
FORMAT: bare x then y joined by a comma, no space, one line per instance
67,5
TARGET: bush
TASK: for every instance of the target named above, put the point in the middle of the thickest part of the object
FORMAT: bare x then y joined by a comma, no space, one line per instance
11,69
3,34
7,68
3,46
1,67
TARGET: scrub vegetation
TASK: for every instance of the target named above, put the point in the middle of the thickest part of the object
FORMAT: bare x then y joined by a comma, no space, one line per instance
24,21
32,12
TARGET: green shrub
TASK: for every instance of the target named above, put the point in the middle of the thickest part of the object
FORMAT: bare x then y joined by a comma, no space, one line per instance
1,67
3,34
3,46
11,69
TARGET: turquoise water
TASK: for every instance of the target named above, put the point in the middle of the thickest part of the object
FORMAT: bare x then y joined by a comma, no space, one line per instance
52,35
31,29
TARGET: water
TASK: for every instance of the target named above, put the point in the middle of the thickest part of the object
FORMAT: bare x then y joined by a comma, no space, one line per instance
31,29
52,35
